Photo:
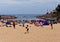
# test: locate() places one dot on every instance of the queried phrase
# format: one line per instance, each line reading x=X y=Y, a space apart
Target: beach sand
x=36 y=34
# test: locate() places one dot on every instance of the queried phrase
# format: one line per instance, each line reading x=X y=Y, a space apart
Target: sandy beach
x=36 y=34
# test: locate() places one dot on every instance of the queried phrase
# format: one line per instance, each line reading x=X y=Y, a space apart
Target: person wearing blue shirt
x=23 y=22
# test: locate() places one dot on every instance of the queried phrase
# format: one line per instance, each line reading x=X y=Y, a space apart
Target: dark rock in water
x=7 y=17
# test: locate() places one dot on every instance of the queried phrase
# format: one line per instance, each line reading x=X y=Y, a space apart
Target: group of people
x=14 y=25
x=27 y=26
x=51 y=22
x=9 y=23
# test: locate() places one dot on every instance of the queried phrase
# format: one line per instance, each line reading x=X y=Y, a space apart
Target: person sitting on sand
x=37 y=23
x=8 y=23
x=41 y=24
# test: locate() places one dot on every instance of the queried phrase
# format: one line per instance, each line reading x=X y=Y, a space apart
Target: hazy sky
x=27 y=6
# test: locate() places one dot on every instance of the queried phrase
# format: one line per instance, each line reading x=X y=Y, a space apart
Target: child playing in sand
x=27 y=29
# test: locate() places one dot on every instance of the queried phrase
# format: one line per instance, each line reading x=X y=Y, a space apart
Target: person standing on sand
x=14 y=24
x=51 y=22
x=23 y=22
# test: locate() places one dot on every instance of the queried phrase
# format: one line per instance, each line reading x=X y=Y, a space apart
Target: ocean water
x=26 y=16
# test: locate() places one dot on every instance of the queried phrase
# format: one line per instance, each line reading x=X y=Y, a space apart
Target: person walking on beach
x=23 y=22
x=27 y=29
x=14 y=24
x=51 y=22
